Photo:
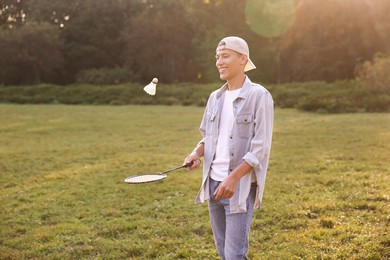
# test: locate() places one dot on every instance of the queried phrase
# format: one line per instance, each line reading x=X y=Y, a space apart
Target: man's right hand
x=193 y=157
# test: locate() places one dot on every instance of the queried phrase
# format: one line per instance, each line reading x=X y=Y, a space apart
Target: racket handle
x=188 y=164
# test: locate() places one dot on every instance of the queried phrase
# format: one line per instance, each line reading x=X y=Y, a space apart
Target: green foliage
x=328 y=39
x=105 y=76
x=338 y=97
x=176 y=40
x=130 y=93
x=63 y=196
x=158 y=42
x=375 y=74
x=30 y=54
x=320 y=97
x=12 y=14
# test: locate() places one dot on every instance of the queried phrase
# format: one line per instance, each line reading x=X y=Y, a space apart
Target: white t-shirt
x=220 y=165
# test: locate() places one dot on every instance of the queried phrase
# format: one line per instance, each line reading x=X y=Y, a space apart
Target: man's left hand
x=226 y=189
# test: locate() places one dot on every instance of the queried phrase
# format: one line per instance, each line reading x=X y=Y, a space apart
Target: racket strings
x=145 y=178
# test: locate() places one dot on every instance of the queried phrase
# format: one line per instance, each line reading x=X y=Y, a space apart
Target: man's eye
x=223 y=57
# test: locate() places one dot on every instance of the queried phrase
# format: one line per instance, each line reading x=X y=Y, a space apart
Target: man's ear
x=244 y=59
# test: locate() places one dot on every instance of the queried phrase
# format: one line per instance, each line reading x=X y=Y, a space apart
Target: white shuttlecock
x=151 y=87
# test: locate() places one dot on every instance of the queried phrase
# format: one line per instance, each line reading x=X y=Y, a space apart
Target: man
x=237 y=133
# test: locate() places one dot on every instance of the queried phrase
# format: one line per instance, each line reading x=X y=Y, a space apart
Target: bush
x=320 y=97
x=168 y=101
x=105 y=76
x=337 y=97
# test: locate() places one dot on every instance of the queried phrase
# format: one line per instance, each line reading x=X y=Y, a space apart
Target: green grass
x=62 y=193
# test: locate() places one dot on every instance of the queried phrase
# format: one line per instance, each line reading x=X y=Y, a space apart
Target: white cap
x=239 y=45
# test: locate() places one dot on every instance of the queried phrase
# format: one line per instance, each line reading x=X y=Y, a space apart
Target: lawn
x=62 y=193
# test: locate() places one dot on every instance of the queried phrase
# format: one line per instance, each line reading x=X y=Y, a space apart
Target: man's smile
x=222 y=69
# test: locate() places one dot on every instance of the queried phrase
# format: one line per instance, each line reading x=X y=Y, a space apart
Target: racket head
x=145 y=178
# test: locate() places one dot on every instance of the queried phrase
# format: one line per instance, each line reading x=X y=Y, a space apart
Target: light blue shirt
x=250 y=140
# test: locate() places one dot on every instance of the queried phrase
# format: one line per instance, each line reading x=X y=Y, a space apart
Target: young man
x=237 y=133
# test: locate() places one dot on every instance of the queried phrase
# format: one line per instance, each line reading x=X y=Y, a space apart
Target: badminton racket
x=151 y=177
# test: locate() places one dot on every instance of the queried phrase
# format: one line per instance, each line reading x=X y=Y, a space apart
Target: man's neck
x=236 y=82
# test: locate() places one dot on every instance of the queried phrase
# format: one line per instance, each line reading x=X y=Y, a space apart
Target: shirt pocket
x=244 y=125
x=210 y=121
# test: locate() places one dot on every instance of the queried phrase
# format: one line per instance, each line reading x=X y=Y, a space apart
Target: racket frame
x=163 y=174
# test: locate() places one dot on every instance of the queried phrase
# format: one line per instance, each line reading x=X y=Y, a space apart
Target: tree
x=176 y=40
x=93 y=36
x=158 y=42
x=328 y=39
x=12 y=14
x=30 y=54
x=376 y=73
x=56 y=12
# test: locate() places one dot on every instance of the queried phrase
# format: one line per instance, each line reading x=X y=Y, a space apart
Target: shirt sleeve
x=202 y=128
x=260 y=146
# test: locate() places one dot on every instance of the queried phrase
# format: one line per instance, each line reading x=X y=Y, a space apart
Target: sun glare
x=270 y=18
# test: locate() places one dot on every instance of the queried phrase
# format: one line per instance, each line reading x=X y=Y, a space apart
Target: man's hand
x=193 y=157
x=226 y=189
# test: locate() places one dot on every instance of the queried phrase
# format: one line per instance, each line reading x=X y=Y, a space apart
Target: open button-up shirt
x=249 y=141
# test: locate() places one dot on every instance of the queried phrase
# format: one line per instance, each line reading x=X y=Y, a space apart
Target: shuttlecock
x=151 y=87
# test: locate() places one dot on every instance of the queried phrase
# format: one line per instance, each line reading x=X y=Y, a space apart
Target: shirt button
x=231 y=137
x=232 y=154
x=230 y=170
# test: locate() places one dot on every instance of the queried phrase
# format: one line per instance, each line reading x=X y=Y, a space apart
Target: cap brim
x=249 y=66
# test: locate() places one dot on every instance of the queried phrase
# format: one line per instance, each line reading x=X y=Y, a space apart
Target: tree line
x=108 y=42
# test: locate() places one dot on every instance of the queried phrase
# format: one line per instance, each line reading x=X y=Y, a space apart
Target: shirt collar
x=244 y=90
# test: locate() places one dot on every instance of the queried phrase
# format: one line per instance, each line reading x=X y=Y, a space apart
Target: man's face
x=229 y=63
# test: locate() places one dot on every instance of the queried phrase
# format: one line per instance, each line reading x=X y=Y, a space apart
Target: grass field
x=62 y=193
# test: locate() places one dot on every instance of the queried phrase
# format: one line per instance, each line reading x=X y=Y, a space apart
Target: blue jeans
x=231 y=231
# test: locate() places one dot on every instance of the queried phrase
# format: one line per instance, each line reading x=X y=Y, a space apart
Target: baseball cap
x=239 y=45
